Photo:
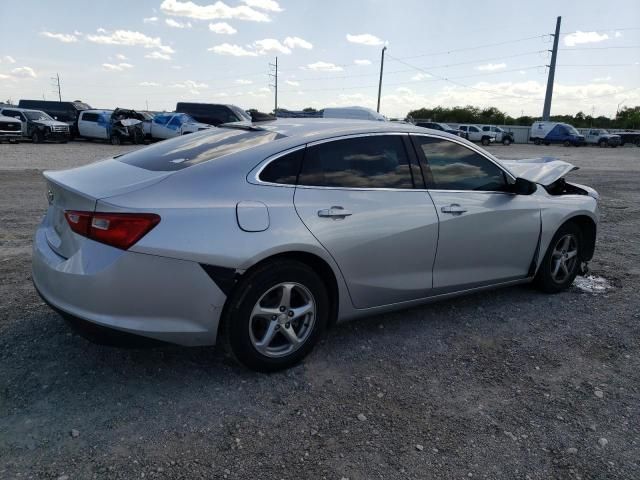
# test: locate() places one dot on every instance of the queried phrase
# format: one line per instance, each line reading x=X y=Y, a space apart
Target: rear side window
x=186 y=150
x=378 y=161
x=452 y=166
x=284 y=169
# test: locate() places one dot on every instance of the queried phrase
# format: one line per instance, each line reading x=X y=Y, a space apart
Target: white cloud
x=77 y=33
x=221 y=95
x=218 y=10
x=617 y=34
x=578 y=37
x=117 y=67
x=269 y=5
x=175 y=24
x=4 y=77
x=242 y=81
x=324 y=67
x=150 y=20
x=192 y=86
x=420 y=76
x=270 y=45
x=120 y=56
x=129 y=38
x=602 y=79
x=234 y=50
x=222 y=28
x=293 y=83
x=364 y=39
x=8 y=59
x=362 y=63
x=62 y=37
x=24 y=72
x=491 y=67
x=157 y=56
x=297 y=42
x=149 y=84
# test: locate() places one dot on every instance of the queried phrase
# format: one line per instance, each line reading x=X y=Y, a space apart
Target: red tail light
x=120 y=230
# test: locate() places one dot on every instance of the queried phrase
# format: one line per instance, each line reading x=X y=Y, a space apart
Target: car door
x=474 y=134
x=357 y=197
x=486 y=234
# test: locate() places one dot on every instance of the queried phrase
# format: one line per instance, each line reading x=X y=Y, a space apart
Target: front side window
x=473 y=129
x=378 y=161
x=175 y=122
x=464 y=129
x=452 y=166
x=37 y=116
x=161 y=119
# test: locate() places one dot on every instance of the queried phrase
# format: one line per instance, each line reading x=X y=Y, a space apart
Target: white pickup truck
x=475 y=134
x=602 y=138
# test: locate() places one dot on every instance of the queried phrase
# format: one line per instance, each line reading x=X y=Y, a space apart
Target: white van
x=555 y=132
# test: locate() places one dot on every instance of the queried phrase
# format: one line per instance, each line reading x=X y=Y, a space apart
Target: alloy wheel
x=564 y=258
x=282 y=319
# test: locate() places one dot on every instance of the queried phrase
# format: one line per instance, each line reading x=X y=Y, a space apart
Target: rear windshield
x=194 y=148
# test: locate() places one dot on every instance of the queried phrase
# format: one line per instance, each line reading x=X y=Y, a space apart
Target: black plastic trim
x=225 y=278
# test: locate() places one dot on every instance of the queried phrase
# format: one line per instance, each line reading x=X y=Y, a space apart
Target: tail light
x=120 y=230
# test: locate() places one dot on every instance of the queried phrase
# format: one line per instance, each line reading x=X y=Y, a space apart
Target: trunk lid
x=80 y=189
x=543 y=171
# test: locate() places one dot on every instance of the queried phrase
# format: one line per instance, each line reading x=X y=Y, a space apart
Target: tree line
x=627 y=117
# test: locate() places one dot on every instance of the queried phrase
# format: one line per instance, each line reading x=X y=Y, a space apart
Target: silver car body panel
x=396 y=249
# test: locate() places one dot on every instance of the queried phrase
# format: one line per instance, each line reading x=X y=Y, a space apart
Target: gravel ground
x=500 y=385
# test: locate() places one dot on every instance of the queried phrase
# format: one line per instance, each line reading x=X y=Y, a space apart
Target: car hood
x=50 y=123
x=544 y=171
x=9 y=119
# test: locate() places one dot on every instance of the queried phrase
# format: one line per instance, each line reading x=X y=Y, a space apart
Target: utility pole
x=546 y=112
x=56 y=80
x=275 y=85
x=380 y=83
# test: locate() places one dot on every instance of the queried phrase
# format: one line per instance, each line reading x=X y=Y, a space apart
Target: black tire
x=237 y=317
x=485 y=141
x=544 y=280
x=37 y=137
x=567 y=143
x=602 y=143
x=547 y=144
x=115 y=140
x=506 y=142
x=537 y=141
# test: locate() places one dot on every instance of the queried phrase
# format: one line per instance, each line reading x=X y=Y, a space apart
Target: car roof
x=19 y=109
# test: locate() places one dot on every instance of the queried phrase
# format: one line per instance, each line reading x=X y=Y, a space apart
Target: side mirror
x=523 y=187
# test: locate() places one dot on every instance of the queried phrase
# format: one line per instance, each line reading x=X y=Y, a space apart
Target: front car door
x=356 y=195
x=487 y=235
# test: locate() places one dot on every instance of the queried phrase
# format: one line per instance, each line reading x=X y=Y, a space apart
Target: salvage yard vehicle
x=169 y=125
x=10 y=129
x=213 y=113
x=629 y=136
x=443 y=127
x=116 y=126
x=351 y=113
x=555 y=132
x=502 y=136
x=602 y=138
x=37 y=125
x=473 y=133
x=276 y=230
x=67 y=112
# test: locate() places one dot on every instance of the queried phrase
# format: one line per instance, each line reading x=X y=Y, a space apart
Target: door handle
x=334 y=212
x=454 y=208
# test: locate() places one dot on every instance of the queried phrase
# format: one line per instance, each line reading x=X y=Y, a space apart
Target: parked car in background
x=280 y=230
x=10 y=129
x=502 y=136
x=629 y=136
x=67 y=112
x=352 y=113
x=213 y=113
x=169 y=125
x=555 y=132
x=474 y=133
x=602 y=138
x=115 y=126
x=443 y=127
x=38 y=126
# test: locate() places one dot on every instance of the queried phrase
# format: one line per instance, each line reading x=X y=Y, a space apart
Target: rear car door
x=356 y=195
x=487 y=235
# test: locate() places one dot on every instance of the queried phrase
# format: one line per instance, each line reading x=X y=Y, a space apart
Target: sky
x=150 y=54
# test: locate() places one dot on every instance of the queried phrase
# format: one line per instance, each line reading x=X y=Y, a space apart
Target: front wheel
x=561 y=263
x=277 y=315
x=115 y=140
x=506 y=142
x=37 y=137
x=602 y=143
x=485 y=141
x=567 y=143
x=537 y=141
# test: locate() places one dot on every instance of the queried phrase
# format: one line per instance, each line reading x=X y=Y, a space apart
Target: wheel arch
x=588 y=231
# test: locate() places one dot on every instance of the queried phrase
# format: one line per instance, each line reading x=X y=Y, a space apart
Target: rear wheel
x=567 y=143
x=485 y=141
x=115 y=140
x=561 y=263
x=277 y=315
x=602 y=143
x=537 y=141
x=506 y=142
x=37 y=137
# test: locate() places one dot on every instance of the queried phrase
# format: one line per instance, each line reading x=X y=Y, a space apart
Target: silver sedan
x=271 y=232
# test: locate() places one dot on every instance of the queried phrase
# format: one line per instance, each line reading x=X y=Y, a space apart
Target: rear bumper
x=160 y=298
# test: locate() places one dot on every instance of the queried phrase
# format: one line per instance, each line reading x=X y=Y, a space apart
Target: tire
x=36 y=137
x=567 y=143
x=263 y=289
x=537 y=141
x=602 y=143
x=485 y=141
x=115 y=140
x=506 y=142
x=547 y=144
x=545 y=279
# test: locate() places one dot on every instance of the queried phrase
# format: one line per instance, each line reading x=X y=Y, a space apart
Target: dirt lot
x=507 y=384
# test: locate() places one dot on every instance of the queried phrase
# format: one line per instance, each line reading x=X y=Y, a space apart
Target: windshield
x=572 y=130
x=446 y=127
x=36 y=116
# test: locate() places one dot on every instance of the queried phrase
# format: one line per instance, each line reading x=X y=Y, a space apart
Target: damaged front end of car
x=126 y=126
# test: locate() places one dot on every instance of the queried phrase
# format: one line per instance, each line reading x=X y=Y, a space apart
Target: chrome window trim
x=255 y=178
x=470 y=147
